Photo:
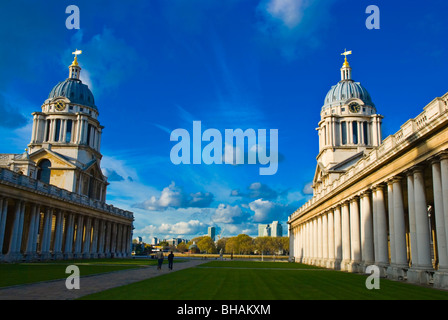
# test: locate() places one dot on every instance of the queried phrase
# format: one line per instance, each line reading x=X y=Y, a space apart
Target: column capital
x=366 y=191
x=443 y=155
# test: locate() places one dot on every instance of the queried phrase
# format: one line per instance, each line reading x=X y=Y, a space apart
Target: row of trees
x=242 y=244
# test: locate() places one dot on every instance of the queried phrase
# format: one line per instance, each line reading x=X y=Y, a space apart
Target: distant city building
x=270 y=230
x=264 y=230
x=155 y=241
x=212 y=232
x=276 y=229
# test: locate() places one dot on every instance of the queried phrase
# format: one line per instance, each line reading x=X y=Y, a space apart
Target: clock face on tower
x=59 y=106
x=354 y=107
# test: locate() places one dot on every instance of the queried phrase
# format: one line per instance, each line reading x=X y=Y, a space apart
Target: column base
x=45 y=256
x=13 y=257
x=337 y=264
x=68 y=256
x=420 y=275
x=58 y=256
x=441 y=279
x=31 y=257
x=397 y=272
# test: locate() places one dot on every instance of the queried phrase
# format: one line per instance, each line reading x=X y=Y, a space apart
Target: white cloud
x=227 y=214
x=106 y=60
x=289 y=12
x=266 y=210
x=178 y=229
x=290 y=25
x=175 y=197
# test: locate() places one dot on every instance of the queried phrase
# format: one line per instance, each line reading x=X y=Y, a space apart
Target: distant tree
x=221 y=244
x=182 y=247
x=232 y=245
x=206 y=244
x=263 y=245
x=163 y=244
x=245 y=244
x=285 y=244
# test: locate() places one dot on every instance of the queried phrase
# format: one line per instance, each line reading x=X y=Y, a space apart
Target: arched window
x=44 y=171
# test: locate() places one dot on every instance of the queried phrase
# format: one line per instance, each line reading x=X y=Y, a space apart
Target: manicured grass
x=22 y=273
x=238 y=280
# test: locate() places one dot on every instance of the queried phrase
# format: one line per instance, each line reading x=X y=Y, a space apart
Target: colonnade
x=399 y=224
x=34 y=231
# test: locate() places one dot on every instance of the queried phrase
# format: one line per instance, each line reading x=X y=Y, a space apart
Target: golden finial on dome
x=346 y=53
x=75 y=62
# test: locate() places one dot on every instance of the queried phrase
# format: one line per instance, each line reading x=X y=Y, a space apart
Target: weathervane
x=346 y=53
x=76 y=53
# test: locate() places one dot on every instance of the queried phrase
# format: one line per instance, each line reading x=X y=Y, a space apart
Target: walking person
x=159 y=260
x=170 y=260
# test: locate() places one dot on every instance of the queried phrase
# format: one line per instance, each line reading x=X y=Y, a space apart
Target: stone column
x=337 y=238
x=31 y=245
x=345 y=220
x=412 y=222
x=390 y=209
x=305 y=242
x=57 y=251
x=422 y=223
x=16 y=234
x=418 y=272
x=102 y=235
x=366 y=230
x=79 y=234
x=382 y=259
x=319 y=240
x=444 y=180
x=69 y=233
x=441 y=276
x=331 y=230
x=108 y=239
x=94 y=247
x=87 y=237
x=399 y=225
x=355 y=241
x=46 y=235
x=3 y=216
x=324 y=239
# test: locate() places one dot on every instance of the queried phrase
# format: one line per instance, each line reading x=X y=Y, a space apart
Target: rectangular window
x=365 y=129
x=47 y=137
x=344 y=132
x=89 y=128
x=68 y=136
x=355 y=132
x=58 y=130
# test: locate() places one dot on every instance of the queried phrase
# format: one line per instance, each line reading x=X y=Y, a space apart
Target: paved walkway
x=56 y=289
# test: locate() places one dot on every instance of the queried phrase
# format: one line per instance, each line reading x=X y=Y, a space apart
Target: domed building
x=53 y=196
x=377 y=203
x=66 y=138
x=349 y=127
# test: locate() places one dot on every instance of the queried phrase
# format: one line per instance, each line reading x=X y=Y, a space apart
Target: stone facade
x=52 y=197
x=388 y=208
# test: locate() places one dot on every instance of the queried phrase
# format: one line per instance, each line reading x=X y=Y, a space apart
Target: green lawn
x=22 y=273
x=238 y=280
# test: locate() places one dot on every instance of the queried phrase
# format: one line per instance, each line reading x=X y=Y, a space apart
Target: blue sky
x=158 y=65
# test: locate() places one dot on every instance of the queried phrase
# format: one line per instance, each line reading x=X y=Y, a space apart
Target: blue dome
x=345 y=90
x=75 y=91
